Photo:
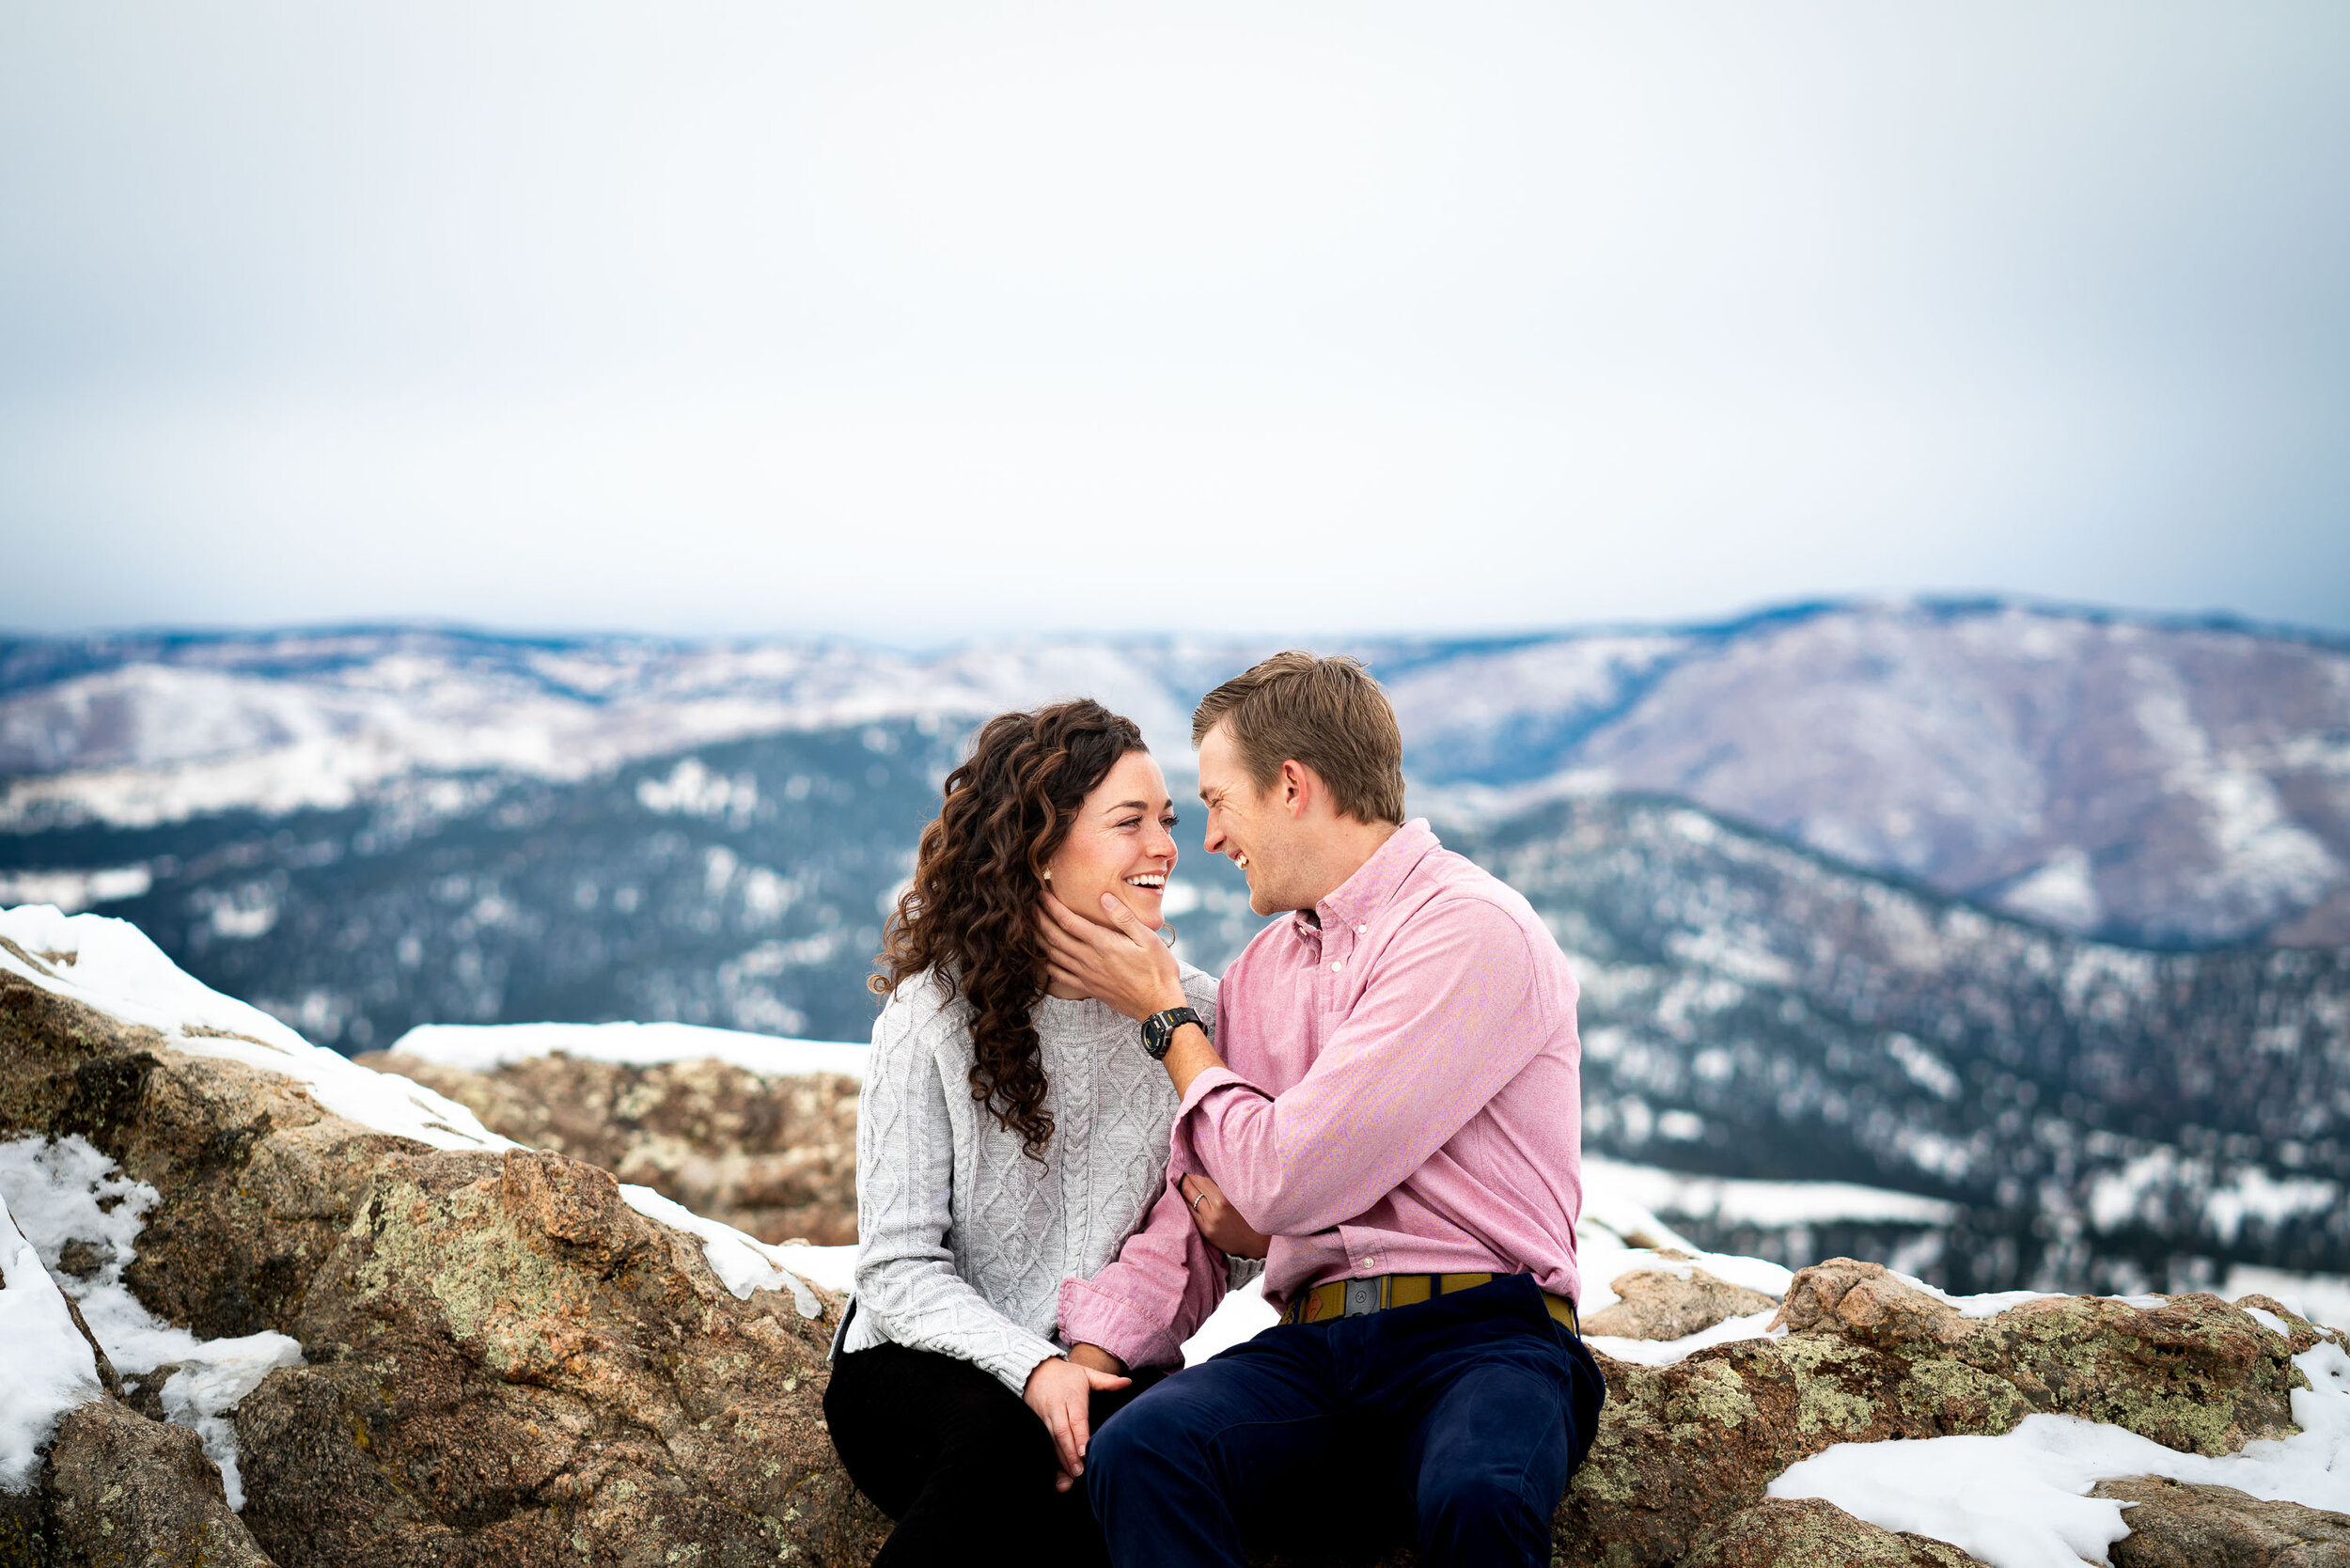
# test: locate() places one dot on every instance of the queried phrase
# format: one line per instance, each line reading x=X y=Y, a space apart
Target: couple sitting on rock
x=1380 y=1102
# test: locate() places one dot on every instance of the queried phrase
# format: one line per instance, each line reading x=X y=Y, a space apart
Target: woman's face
x=1122 y=844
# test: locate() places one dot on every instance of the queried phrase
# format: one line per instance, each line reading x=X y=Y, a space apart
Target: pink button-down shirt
x=1403 y=1090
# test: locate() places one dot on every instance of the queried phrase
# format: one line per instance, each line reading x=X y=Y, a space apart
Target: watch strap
x=1158 y=1030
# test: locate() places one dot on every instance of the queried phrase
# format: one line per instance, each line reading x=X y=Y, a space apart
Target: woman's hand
x=1220 y=1221
x=1062 y=1394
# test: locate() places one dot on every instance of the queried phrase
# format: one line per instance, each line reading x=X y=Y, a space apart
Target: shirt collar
x=1355 y=901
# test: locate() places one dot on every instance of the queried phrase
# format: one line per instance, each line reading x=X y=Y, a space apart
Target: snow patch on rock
x=1731 y=1200
x=2062 y=892
x=2322 y=1298
x=111 y=965
x=743 y=1263
x=74 y=891
x=2019 y=1500
x=67 y=1192
x=48 y=1368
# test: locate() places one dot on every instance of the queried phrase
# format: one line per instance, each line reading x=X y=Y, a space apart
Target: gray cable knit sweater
x=962 y=1241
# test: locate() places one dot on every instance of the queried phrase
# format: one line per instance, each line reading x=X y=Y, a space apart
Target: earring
x=1048 y=873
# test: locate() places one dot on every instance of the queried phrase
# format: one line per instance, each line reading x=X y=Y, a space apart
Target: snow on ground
x=68 y=1191
x=1731 y=1201
x=486 y=1048
x=1996 y=1302
x=111 y=965
x=1243 y=1315
x=2319 y=1297
x=1664 y=1352
x=73 y=891
x=1605 y=1249
x=743 y=1263
x=49 y=1368
x=2018 y=1500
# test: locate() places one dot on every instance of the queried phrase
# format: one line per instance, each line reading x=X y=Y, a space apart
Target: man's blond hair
x=1327 y=713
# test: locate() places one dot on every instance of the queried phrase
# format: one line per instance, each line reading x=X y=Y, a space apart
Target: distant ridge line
x=1413 y=647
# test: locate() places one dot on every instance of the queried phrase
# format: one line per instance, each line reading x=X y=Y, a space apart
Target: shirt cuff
x=1012 y=1364
x=1207 y=1083
x=1091 y=1315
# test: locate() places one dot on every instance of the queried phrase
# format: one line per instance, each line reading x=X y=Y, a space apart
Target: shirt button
x=1337 y=963
x=1370 y=1262
x=1364 y=928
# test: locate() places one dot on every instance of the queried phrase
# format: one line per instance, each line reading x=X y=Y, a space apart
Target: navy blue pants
x=1455 y=1422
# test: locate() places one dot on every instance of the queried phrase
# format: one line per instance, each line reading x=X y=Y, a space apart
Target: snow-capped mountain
x=2077 y=1113
x=1852 y=967
x=2175 y=784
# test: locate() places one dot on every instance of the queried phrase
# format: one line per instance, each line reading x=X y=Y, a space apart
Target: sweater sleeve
x=905 y=1274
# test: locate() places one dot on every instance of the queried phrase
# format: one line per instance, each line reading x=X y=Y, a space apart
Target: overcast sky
x=913 y=322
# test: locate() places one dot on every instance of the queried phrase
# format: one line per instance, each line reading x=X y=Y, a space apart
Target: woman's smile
x=1122 y=844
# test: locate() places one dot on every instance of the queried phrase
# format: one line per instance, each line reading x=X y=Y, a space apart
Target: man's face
x=1247 y=826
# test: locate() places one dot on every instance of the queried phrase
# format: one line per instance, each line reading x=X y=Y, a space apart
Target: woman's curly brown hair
x=970 y=914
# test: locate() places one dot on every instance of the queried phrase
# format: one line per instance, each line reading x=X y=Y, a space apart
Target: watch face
x=1158 y=1030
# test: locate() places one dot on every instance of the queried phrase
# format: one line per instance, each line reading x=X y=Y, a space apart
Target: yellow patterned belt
x=1355 y=1298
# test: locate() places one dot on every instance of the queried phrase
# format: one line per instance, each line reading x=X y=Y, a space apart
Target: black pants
x=962 y=1465
x=1463 y=1415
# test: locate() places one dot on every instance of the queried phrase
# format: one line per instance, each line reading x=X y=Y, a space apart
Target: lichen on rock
x=122 y=1489
x=1808 y=1534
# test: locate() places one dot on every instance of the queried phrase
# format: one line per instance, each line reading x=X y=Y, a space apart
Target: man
x=1394 y=1098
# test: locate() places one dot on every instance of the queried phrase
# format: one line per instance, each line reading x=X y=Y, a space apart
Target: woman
x=1023 y=1269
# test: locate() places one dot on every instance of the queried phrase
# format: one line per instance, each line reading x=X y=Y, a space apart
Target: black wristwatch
x=1158 y=1030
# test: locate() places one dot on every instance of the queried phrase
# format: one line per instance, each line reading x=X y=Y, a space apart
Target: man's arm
x=1142 y=1304
x=1448 y=1018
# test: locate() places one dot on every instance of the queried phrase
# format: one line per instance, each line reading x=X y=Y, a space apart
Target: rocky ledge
x=775 y=1156
x=503 y=1362
x=1680 y=1468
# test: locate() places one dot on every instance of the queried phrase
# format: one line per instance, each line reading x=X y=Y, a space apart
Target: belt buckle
x=1362 y=1298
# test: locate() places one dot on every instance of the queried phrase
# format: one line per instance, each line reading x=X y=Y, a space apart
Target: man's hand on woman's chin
x=1060 y=1391
x=1123 y=964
